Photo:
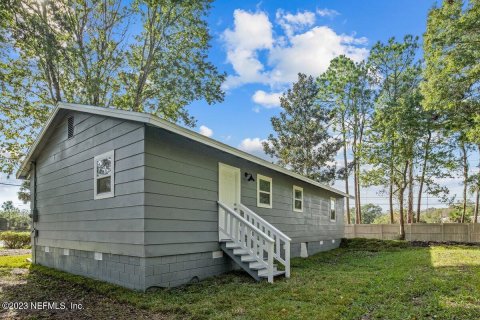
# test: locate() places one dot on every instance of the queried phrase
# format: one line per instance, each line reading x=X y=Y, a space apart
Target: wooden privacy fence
x=444 y=232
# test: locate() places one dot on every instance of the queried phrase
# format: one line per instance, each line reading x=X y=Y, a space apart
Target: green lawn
x=14 y=261
x=365 y=280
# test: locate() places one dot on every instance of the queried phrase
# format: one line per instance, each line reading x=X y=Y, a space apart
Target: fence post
x=381 y=231
x=443 y=233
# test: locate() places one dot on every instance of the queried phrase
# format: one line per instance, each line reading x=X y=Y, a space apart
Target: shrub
x=15 y=240
x=362 y=244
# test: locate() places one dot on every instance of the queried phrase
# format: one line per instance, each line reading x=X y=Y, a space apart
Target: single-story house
x=135 y=200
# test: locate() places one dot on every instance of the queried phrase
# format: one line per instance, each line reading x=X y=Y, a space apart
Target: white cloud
x=206 y=131
x=294 y=22
x=311 y=52
x=251 y=32
x=251 y=145
x=268 y=100
x=304 y=47
x=327 y=12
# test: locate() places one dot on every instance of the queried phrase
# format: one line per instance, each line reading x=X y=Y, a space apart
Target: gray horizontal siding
x=182 y=186
x=69 y=217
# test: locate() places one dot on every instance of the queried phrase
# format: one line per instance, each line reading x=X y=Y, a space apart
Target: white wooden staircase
x=253 y=243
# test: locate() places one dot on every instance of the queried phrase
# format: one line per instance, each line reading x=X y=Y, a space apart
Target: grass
x=361 y=280
x=14 y=261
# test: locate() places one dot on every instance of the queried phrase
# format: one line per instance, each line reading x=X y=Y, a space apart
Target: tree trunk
x=345 y=161
x=390 y=202
x=465 y=179
x=422 y=177
x=355 y=184
x=410 y=194
x=357 y=174
x=390 y=191
x=402 y=221
x=477 y=198
x=401 y=190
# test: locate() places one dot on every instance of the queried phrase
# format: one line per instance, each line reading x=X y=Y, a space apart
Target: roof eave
x=157 y=122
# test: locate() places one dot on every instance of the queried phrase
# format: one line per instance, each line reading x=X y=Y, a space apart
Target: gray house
x=135 y=200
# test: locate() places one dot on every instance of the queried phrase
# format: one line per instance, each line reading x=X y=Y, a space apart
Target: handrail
x=280 y=233
x=251 y=225
x=273 y=232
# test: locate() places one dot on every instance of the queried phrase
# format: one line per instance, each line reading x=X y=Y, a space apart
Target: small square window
x=104 y=175
x=264 y=191
x=297 y=199
x=333 y=214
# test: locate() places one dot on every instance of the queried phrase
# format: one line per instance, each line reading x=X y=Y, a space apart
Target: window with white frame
x=104 y=179
x=333 y=213
x=297 y=199
x=264 y=191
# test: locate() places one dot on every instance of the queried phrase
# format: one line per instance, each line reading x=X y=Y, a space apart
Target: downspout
x=34 y=212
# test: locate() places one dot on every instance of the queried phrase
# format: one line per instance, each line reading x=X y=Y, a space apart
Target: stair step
x=231 y=245
x=263 y=273
x=257 y=265
x=248 y=258
x=240 y=252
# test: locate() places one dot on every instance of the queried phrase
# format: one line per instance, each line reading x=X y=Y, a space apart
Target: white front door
x=228 y=190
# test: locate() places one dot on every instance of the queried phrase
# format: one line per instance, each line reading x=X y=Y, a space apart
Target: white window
x=264 y=191
x=333 y=214
x=104 y=179
x=297 y=199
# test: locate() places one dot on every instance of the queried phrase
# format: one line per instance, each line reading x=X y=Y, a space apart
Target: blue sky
x=344 y=23
x=262 y=45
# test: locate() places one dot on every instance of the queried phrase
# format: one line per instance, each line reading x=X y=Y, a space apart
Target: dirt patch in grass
x=36 y=287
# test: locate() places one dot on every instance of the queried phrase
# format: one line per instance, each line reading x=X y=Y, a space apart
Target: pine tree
x=303 y=142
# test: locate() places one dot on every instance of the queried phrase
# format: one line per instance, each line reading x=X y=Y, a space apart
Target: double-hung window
x=264 y=191
x=104 y=179
x=333 y=214
x=297 y=199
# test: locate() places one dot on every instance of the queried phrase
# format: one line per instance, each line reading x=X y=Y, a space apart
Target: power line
x=10 y=184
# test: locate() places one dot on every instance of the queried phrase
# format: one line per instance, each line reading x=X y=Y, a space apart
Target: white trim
x=264 y=178
x=155 y=121
x=334 y=209
x=297 y=188
x=111 y=193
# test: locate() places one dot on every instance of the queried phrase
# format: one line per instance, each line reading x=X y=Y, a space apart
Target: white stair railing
x=281 y=239
x=249 y=237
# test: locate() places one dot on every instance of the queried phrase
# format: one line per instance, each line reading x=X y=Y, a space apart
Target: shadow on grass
x=361 y=280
